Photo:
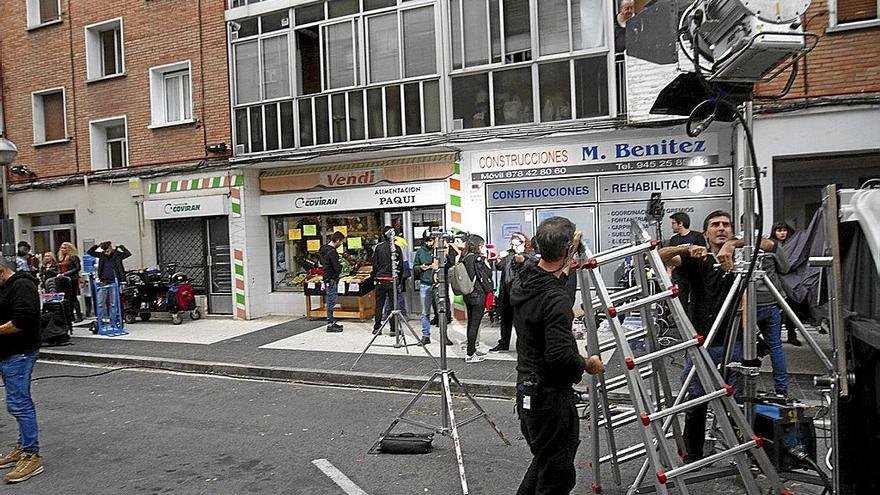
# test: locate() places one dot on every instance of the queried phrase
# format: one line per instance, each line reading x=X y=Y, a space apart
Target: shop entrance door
x=411 y=225
x=50 y=231
x=219 y=266
x=199 y=247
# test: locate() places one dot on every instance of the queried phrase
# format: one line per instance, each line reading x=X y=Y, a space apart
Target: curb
x=484 y=388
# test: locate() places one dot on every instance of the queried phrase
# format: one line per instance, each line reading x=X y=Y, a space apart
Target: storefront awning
x=361 y=173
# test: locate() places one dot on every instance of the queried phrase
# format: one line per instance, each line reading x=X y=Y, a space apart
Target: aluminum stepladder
x=654 y=413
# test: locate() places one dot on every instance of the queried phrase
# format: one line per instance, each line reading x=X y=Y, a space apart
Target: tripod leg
x=405 y=410
x=375 y=336
x=478 y=407
x=453 y=428
x=418 y=340
x=799 y=325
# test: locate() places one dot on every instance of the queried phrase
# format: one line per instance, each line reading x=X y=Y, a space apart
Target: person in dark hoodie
x=329 y=256
x=548 y=361
x=110 y=258
x=19 y=346
x=384 y=271
x=511 y=262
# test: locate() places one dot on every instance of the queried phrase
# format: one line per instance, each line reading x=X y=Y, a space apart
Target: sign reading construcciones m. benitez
x=199 y=206
x=360 y=198
x=624 y=155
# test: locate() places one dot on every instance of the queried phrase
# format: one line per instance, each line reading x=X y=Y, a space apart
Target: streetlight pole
x=8 y=152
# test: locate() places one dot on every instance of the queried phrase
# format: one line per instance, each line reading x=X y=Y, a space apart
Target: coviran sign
x=356 y=198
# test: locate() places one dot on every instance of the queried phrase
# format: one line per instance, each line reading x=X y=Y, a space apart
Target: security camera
x=234 y=26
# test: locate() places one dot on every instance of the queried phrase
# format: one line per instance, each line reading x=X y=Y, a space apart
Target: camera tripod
x=445 y=377
x=395 y=320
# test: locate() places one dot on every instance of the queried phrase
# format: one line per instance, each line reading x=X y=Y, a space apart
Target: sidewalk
x=300 y=350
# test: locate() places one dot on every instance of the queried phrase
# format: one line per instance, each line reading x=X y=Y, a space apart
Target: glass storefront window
x=297 y=239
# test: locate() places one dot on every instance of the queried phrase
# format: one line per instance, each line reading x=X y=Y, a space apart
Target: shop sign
x=362 y=198
x=541 y=192
x=200 y=206
x=695 y=184
x=350 y=178
x=615 y=218
x=631 y=155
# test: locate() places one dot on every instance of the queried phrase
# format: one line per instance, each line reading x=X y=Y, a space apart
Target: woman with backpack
x=474 y=261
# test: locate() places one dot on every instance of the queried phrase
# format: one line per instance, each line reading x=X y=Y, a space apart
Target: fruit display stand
x=358 y=301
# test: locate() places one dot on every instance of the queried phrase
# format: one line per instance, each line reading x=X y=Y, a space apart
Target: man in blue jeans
x=19 y=346
x=329 y=255
x=424 y=266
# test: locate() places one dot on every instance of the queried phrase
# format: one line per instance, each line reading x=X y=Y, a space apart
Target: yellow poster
x=355 y=243
x=294 y=234
x=341 y=228
x=310 y=230
x=313 y=245
x=340 y=249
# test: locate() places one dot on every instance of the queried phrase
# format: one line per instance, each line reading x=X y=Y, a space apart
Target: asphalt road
x=137 y=432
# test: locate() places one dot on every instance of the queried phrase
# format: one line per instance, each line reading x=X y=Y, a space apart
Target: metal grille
x=182 y=241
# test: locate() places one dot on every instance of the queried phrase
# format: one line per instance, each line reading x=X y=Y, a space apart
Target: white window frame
x=833 y=25
x=39 y=116
x=98 y=141
x=33 y=15
x=94 y=49
x=158 y=100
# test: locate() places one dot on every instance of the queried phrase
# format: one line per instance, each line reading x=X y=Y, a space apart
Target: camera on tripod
x=447 y=235
x=655 y=208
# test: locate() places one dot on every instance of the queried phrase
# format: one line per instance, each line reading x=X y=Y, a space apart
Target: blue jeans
x=16 y=371
x=770 y=324
x=426 y=294
x=717 y=354
x=331 y=297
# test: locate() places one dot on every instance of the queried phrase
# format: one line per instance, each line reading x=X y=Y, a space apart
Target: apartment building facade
x=827 y=129
x=480 y=115
x=120 y=112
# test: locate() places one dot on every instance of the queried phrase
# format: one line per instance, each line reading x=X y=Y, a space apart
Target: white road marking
x=338 y=477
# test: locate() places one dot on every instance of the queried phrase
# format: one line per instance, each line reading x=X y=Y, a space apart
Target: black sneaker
x=334 y=328
x=499 y=348
x=426 y=340
x=448 y=342
x=795 y=342
x=434 y=322
x=377 y=331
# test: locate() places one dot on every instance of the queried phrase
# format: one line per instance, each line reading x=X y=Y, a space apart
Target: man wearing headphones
x=548 y=361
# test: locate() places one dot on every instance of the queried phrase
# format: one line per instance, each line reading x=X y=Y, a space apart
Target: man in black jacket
x=511 y=263
x=548 y=361
x=19 y=346
x=382 y=272
x=329 y=254
x=110 y=258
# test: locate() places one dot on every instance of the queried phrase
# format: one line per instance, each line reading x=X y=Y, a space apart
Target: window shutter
x=53 y=115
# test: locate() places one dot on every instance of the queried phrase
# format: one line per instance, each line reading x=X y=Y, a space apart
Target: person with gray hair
x=19 y=346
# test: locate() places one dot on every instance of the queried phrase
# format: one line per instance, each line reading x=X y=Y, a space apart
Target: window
x=854 y=13
x=362 y=69
x=478 y=37
x=50 y=116
x=104 y=50
x=40 y=12
x=171 y=94
x=109 y=143
x=513 y=96
x=339 y=55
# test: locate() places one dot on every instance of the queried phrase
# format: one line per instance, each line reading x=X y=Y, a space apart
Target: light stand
x=395 y=319
x=445 y=377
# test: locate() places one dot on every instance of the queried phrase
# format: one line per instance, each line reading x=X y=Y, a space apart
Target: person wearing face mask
x=548 y=360
x=511 y=262
x=19 y=347
x=474 y=260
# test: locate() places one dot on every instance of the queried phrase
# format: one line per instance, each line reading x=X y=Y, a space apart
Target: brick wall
x=844 y=62
x=156 y=32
